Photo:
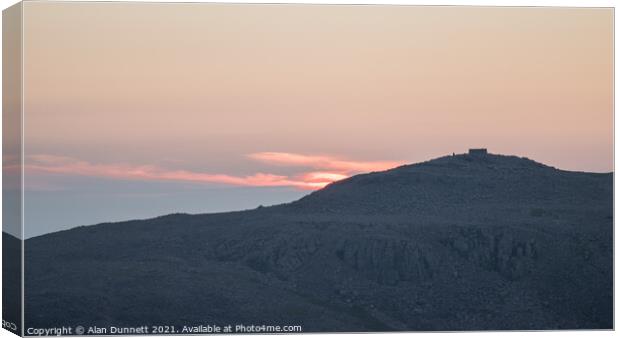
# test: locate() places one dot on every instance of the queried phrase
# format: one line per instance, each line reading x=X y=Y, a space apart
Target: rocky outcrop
x=511 y=254
x=387 y=261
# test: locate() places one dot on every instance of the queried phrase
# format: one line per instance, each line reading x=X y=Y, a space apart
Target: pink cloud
x=331 y=170
x=71 y=166
x=323 y=162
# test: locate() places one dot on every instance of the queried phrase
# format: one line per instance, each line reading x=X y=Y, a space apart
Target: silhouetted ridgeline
x=466 y=242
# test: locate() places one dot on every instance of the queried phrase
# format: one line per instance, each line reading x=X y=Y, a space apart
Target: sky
x=134 y=110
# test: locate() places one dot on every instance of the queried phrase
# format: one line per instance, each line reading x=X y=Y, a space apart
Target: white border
x=512 y=3
x=503 y=3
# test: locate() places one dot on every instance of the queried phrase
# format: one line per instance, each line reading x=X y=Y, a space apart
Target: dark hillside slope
x=457 y=243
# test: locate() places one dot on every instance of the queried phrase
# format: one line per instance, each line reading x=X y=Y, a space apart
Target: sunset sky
x=135 y=110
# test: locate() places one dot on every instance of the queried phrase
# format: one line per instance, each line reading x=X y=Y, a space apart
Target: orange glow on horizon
x=322 y=162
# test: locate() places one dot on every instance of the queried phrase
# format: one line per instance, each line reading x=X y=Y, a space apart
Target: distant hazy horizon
x=159 y=200
x=135 y=110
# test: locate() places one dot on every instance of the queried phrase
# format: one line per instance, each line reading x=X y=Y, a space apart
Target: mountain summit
x=457 y=182
x=465 y=242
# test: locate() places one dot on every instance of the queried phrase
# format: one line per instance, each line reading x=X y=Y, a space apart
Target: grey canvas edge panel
x=12 y=170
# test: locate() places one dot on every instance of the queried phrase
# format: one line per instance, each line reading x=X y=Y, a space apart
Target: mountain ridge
x=532 y=164
x=457 y=243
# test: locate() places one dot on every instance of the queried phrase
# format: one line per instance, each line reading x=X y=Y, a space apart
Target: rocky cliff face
x=457 y=243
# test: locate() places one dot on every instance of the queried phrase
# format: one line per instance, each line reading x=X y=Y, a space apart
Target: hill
x=456 y=243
